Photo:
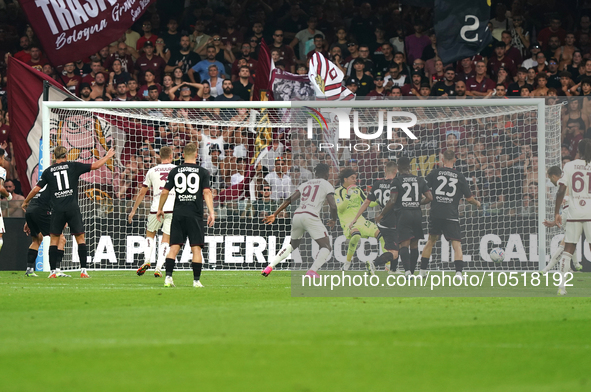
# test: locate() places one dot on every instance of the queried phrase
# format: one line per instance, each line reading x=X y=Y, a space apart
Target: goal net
x=259 y=152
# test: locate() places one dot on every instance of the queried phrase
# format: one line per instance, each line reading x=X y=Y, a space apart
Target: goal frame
x=538 y=103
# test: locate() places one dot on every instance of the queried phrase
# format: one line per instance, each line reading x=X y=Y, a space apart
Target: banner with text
x=72 y=30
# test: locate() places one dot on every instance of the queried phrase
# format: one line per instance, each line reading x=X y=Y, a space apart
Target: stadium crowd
x=207 y=51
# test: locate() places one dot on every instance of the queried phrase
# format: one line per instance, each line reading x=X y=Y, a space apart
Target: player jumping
x=306 y=218
x=349 y=198
x=191 y=186
x=576 y=180
x=155 y=179
x=554 y=174
x=407 y=194
x=380 y=193
x=61 y=179
x=449 y=185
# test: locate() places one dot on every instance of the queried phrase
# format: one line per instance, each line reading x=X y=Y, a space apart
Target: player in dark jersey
x=407 y=195
x=191 y=185
x=380 y=193
x=37 y=222
x=61 y=180
x=448 y=186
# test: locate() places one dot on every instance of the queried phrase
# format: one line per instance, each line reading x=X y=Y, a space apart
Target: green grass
x=120 y=332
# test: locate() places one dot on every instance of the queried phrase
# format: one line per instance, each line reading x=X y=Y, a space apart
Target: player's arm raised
x=208 y=196
x=334 y=214
x=138 y=199
x=559 y=198
x=97 y=164
x=271 y=218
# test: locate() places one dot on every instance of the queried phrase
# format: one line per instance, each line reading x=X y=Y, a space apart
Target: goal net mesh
x=265 y=153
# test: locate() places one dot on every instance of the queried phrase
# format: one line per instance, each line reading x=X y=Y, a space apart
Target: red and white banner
x=327 y=80
x=25 y=94
x=71 y=30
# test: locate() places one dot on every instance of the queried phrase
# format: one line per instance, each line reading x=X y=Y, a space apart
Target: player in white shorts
x=576 y=180
x=155 y=179
x=3 y=193
x=306 y=218
x=554 y=174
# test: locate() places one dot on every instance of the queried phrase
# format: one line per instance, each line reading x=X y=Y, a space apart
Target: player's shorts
x=154 y=224
x=573 y=231
x=366 y=228
x=39 y=221
x=59 y=219
x=187 y=226
x=389 y=236
x=2 y=231
x=409 y=225
x=304 y=222
x=449 y=228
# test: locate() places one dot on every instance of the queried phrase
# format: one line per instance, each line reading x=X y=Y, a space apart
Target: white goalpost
x=504 y=147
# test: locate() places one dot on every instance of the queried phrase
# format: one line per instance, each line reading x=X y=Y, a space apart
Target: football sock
x=282 y=255
x=53 y=257
x=405 y=257
x=60 y=257
x=554 y=259
x=459 y=265
x=383 y=259
x=382 y=243
x=163 y=252
x=414 y=259
x=353 y=242
x=320 y=259
x=31 y=257
x=82 y=254
x=564 y=267
x=394 y=264
x=196 y=270
x=575 y=259
x=169 y=266
x=149 y=250
x=424 y=263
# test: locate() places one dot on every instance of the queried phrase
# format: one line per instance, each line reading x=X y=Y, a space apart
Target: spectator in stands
x=149 y=61
x=413 y=88
x=209 y=136
x=213 y=167
x=318 y=47
x=224 y=53
x=525 y=91
x=365 y=82
x=336 y=57
x=503 y=77
x=364 y=55
x=446 y=87
x=202 y=67
x=553 y=45
x=341 y=42
x=394 y=77
x=564 y=54
x=531 y=76
x=541 y=85
x=513 y=89
x=232 y=33
x=71 y=79
x=439 y=73
x=264 y=205
x=305 y=38
x=182 y=57
x=24 y=54
x=386 y=59
x=416 y=43
x=520 y=37
x=576 y=66
x=419 y=65
x=37 y=61
x=286 y=52
x=353 y=48
x=117 y=75
x=460 y=90
x=85 y=91
x=533 y=60
x=147 y=37
x=379 y=92
x=552 y=74
x=172 y=37
x=228 y=95
x=132 y=90
x=150 y=80
x=480 y=85
x=120 y=93
x=424 y=91
x=215 y=82
x=10 y=187
x=184 y=91
x=199 y=39
x=352 y=84
x=243 y=87
x=500 y=60
x=466 y=69
x=99 y=89
x=375 y=45
x=279 y=180
x=363 y=25
x=553 y=30
x=510 y=51
x=566 y=83
x=500 y=22
x=500 y=91
x=204 y=94
x=122 y=53
x=153 y=95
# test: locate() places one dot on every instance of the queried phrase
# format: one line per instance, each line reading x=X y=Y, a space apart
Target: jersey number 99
x=186 y=183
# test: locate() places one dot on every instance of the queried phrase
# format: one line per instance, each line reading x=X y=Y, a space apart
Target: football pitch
x=243 y=332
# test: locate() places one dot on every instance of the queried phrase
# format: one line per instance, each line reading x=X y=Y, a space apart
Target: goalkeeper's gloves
x=351 y=190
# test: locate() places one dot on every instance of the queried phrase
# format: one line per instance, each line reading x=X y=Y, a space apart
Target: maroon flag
x=25 y=94
x=71 y=30
x=261 y=80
